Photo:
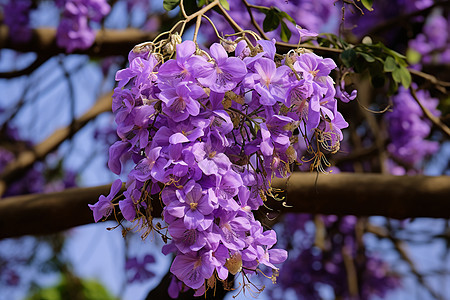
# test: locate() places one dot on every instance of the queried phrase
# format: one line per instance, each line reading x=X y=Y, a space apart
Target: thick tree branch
x=341 y=194
x=108 y=42
x=27 y=158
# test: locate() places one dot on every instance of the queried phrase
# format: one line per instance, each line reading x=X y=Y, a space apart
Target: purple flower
x=313 y=66
x=150 y=167
x=232 y=230
x=179 y=68
x=269 y=257
x=193 y=268
x=181 y=100
x=193 y=206
x=271 y=81
x=224 y=74
x=104 y=206
x=305 y=33
x=211 y=160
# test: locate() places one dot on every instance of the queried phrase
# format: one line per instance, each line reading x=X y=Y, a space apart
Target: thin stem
x=183 y=12
x=249 y=9
x=313 y=47
x=230 y=20
x=214 y=27
x=197 y=27
x=435 y=120
x=202 y=11
x=430 y=78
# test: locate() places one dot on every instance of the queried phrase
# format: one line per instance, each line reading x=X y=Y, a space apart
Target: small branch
x=430 y=78
x=230 y=20
x=435 y=120
x=39 y=61
x=249 y=10
x=183 y=12
x=285 y=47
x=27 y=158
x=108 y=42
x=352 y=278
x=202 y=11
x=197 y=28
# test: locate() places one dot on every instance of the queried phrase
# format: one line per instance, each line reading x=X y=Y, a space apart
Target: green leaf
x=367 y=57
x=348 y=57
x=288 y=17
x=225 y=4
x=170 y=4
x=403 y=75
x=285 y=32
x=389 y=64
x=367 y=4
x=271 y=21
x=200 y=3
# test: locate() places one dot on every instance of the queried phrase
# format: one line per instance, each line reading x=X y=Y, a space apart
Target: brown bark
x=108 y=42
x=341 y=194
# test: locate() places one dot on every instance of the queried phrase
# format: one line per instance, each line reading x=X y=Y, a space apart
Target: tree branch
x=39 y=61
x=340 y=194
x=108 y=42
x=27 y=158
x=435 y=120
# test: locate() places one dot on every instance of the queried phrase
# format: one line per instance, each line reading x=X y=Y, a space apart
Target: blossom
x=181 y=100
x=224 y=74
x=305 y=33
x=104 y=206
x=193 y=268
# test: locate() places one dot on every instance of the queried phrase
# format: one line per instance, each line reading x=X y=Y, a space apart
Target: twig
x=286 y=47
x=252 y=18
x=197 y=27
x=230 y=20
x=435 y=120
x=39 y=61
x=183 y=12
x=430 y=78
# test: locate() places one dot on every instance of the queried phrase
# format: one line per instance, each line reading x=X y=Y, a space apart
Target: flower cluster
x=433 y=43
x=408 y=130
x=74 y=31
x=209 y=131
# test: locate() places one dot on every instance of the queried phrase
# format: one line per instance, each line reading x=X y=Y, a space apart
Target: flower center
x=193 y=205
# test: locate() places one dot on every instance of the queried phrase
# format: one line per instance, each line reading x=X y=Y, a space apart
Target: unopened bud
x=228 y=45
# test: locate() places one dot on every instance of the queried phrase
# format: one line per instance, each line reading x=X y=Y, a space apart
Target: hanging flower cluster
x=74 y=30
x=208 y=132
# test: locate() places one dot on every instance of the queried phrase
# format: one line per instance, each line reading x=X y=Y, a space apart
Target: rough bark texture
x=341 y=194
